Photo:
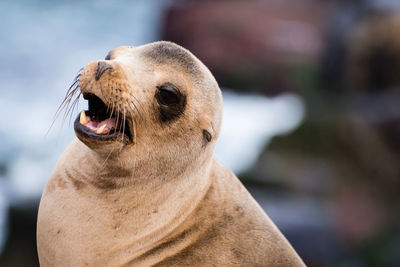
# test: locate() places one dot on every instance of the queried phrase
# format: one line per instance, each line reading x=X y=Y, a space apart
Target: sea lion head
x=155 y=102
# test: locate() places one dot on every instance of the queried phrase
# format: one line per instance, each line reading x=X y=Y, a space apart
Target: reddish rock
x=373 y=46
x=250 y=44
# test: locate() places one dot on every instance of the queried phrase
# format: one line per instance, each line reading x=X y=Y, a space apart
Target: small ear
x=208 y=130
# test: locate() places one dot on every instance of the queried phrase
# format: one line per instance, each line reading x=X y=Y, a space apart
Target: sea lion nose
x=102 y=67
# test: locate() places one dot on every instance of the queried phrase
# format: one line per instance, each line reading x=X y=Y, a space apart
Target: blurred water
x=249 y=123
x=44 y=44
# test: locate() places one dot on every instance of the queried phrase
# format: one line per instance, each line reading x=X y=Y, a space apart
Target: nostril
x=101 y=68
x=107 y=57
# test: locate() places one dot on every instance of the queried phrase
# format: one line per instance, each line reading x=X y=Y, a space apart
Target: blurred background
x=311 y=109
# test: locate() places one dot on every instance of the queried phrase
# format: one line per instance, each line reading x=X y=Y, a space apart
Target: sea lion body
x=156 y=196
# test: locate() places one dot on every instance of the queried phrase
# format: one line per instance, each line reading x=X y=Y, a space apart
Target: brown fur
x=162 y=200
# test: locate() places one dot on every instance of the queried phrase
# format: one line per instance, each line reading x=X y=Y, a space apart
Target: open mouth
x=101 y=122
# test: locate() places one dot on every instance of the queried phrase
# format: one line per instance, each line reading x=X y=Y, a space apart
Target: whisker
x=134 y=107
x=70 y=107
x=134 y=126
x=111 y=100
x=112 y=106
x=67 y=99
x=111 y=113
x=74 y=107
x=117 y=121
x=124 y=121
x=137 y=109
x=120 y=131
x=108 y=156
x=62 y=106
x=73 y=85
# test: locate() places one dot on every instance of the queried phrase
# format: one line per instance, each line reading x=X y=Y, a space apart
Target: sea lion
x=140 y=186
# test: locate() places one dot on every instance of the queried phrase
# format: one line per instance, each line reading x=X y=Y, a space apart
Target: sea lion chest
x=225 y=226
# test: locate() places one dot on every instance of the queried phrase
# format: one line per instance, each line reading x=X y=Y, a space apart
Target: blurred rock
x=20 y=249
x=304 y=222
x=4 y=205
x=374 y=52
x=339 y=157
x=266 y=46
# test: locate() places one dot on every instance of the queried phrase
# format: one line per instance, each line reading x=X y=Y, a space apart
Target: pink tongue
x=95 y=125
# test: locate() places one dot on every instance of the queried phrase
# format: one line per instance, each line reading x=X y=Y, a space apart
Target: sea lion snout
x=110 y=114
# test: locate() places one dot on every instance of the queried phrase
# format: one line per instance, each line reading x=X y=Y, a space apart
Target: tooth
x=83 y=120
x=101 y=129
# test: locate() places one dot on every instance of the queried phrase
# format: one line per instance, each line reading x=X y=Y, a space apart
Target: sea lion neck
x=81 y=172
x=83 y=166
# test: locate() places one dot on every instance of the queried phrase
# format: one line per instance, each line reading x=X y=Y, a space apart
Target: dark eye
x=107 y=57
x=167 y=95
x=171 y=102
